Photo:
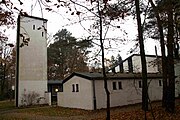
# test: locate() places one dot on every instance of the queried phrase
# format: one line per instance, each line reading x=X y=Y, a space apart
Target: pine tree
x=67 y=55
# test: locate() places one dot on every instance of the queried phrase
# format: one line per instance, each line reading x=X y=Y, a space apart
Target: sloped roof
x=55 y=81
x=86 y=75
x=111 y=76
x=38 y=18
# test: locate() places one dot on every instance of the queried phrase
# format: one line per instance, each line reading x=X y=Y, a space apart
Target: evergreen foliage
x=67 y=55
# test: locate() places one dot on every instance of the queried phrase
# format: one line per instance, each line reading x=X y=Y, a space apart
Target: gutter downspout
x=17 y=61
x=94 y=96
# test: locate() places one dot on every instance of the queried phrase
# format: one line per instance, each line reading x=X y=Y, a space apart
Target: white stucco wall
x=125 y=65
x=100 y=94
x=82 y=99
x=33 y=58
x=149 y=60
x=155 y=91
x=48 y=98
x=28 y=87
x=136 y=61
x=129 y=94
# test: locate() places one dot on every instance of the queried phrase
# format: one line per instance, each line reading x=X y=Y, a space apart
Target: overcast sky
x=60 y=19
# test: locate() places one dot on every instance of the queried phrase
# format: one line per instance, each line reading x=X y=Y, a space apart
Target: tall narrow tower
x=31 y=64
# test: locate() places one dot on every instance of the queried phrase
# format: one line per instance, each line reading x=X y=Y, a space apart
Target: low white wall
x=82 y=99
x=61 y=99
x=36 y=89
x=48 y=98
x=129 y=94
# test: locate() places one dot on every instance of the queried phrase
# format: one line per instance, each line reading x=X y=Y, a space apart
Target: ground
x=131 y=112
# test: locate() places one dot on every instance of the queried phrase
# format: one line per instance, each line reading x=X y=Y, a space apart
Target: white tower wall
x=32 y=66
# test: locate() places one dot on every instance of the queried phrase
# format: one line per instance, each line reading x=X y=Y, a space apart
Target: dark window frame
x=140 y=84
x=34 y=27
x=119 y=85
x=160 y=82
x=114 y=86
x=42 y=34
x=73 y=88
x=77 y=87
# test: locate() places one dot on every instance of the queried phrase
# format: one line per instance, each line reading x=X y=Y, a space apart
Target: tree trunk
x=163 y=59
x=171 y=76
x=103 y=67
x=143 y=59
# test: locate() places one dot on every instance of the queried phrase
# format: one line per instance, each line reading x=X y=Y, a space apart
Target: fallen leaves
x=131 y=112
x=158 y=114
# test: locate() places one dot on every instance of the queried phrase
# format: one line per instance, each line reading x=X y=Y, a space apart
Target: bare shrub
x=30 y=98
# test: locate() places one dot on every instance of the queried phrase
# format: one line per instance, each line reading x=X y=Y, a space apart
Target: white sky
x=59 y=19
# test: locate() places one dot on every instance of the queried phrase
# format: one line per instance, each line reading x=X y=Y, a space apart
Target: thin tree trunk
x=143 y=59
x=103 y=67
x=163 y=59
x=17 y=63
x=3 y=80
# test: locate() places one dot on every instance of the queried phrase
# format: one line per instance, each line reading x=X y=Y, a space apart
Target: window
x=77 y=88
x=34 y=27
x=42 y=34
x=73 y=88
x=119 y=85
x=140 y=84
x=114 y=86
x=160 y=83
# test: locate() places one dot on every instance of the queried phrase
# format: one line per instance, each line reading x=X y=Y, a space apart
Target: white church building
x=86 y=90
